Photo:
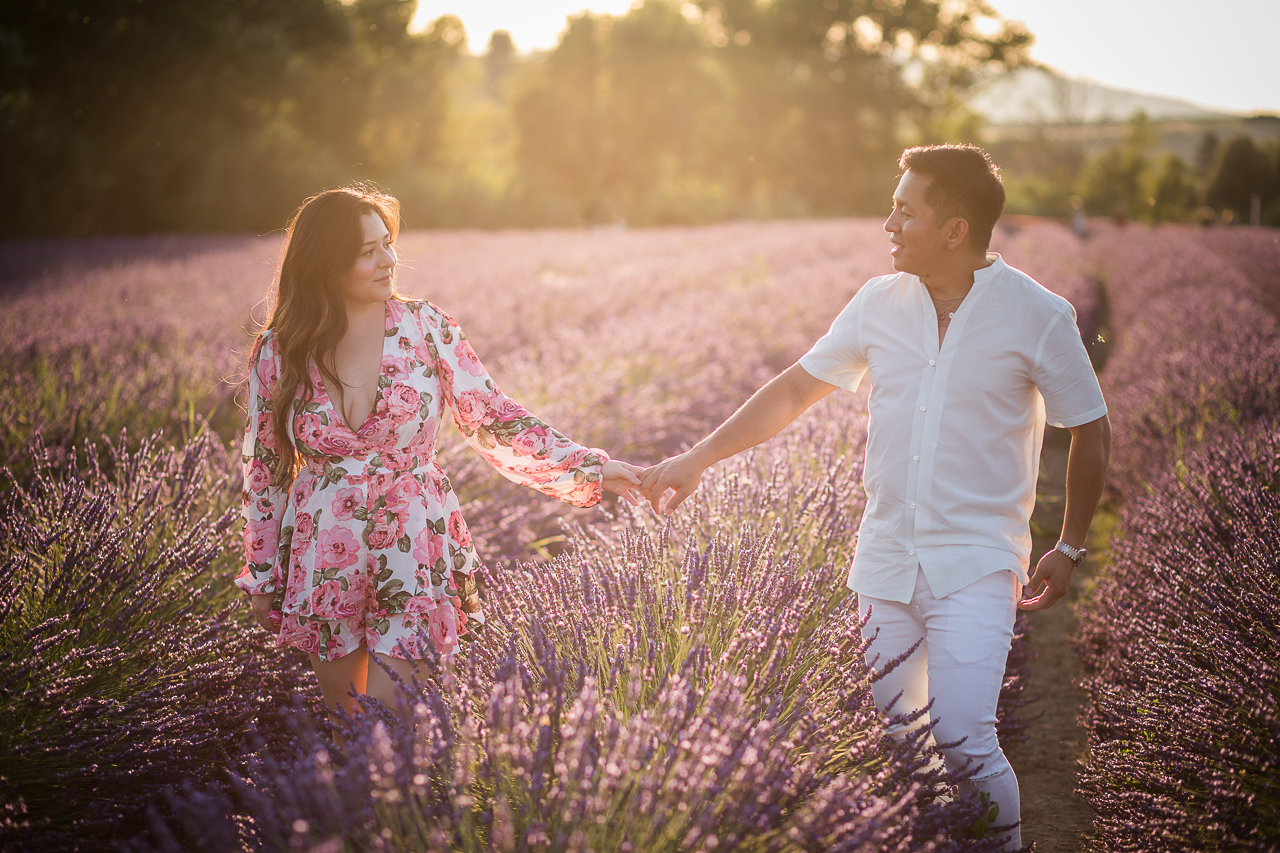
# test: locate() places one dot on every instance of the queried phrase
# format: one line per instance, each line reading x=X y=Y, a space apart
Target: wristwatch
x=1076 y=554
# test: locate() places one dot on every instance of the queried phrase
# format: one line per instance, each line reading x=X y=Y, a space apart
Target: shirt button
x=912 y=553
x=922 y=408
x=932 y=362
x=917 y=458
x=913 y=506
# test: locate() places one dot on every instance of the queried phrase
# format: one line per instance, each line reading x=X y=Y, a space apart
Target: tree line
x=138 y=116
x=1229 y=181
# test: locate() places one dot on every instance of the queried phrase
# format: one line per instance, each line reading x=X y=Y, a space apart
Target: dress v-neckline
x=377 y=393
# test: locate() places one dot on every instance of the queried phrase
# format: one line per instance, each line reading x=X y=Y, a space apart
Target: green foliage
x=677 y=114
x=130 y=117
x=1173 y=189
x=1243 y=171
x=1114 y=182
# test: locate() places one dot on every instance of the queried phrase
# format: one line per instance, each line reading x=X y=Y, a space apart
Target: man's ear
x=957 y=230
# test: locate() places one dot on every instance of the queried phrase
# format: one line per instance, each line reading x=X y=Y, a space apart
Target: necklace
x=946 y=309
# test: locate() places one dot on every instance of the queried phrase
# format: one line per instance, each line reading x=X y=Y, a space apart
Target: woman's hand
x=622 y=478
x=261 y=606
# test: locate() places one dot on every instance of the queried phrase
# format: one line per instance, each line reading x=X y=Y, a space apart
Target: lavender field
x=693 y=685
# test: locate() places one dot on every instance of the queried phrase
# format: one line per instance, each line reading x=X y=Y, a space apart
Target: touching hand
x=622 y=478
x=1053 y=573
x=266 y=617
x=678 y=475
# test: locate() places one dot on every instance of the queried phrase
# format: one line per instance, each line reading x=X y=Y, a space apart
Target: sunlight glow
x=533 y=26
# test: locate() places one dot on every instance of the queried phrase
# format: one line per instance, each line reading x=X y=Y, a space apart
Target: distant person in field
x=354 y=543
x=967 y=359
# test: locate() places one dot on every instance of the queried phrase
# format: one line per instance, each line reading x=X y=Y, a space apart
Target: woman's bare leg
x=339 y=678
x=382 y=688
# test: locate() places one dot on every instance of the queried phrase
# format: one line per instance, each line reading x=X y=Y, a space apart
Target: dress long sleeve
x=264 y=503
x=523 y=448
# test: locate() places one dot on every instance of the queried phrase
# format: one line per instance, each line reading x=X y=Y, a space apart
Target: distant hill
x=1030 y=106
x=1033 y=96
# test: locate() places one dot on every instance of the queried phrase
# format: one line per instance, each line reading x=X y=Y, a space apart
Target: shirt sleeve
x=1064 y=375
x=264 y=503
x=508 y=436
x=838 y=357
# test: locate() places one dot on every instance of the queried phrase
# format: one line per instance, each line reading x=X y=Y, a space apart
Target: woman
x=353 y=536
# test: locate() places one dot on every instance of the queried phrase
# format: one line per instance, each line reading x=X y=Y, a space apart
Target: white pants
x=960 y=666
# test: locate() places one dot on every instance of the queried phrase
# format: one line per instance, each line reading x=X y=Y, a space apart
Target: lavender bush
x=1195 y=349
x=1181 y=640
x=1181 y=636
x=517 y=765
x=639 y=693
x=1252 y=252
x=124 y=667
x=136 y=667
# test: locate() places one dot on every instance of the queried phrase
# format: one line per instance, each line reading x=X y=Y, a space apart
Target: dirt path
x=1053 y=815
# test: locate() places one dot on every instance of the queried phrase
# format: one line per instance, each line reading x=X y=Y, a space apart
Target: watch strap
x=1076 y=554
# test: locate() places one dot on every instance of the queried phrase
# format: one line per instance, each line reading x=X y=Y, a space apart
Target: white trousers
x=960 y=666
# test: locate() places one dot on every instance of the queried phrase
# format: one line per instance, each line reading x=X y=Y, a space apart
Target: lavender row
x=1179 y=636
x=659 y=686
x=126 y=665
x=1181 y=643
x=673 y=327
x=1195 y=349
x=186 y=718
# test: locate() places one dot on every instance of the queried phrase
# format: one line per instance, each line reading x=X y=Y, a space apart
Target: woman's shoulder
x=429 y=315
x=264 y=346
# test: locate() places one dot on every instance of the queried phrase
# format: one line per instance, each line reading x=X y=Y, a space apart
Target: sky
x=1227 y=58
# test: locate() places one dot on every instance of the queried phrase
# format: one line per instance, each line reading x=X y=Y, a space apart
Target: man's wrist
x=702 y=456
x=1076 y=555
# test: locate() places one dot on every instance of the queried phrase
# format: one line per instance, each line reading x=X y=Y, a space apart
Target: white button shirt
x=953 y=444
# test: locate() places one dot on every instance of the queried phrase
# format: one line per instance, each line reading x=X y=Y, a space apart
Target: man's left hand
x=1052 y=578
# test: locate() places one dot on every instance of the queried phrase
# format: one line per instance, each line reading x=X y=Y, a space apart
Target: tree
x=125 y=116
x=625 y=119
x=1243 y=171
x=1173 y=190
x=832 y=90
x=1113 y=182
x=745 y=107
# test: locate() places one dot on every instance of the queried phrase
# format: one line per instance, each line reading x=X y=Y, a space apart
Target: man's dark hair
x=963 y=183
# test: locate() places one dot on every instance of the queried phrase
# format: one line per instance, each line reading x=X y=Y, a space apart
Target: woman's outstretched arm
x=521 y=446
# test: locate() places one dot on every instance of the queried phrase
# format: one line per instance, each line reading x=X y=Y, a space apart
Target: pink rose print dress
x=368 y=545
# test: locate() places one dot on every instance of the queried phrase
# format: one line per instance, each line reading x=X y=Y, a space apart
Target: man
x=967 y=359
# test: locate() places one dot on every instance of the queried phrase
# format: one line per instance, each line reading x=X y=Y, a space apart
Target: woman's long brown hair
x=309 y=319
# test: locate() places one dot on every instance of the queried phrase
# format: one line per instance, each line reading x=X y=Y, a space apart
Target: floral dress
x=368 y=544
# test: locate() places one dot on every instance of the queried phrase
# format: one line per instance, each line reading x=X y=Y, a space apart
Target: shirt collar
x=989 y=272
x=981 y=277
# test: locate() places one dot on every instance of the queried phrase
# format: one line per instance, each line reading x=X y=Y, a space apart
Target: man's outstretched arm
x=1086 y=477
x=762 y=417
